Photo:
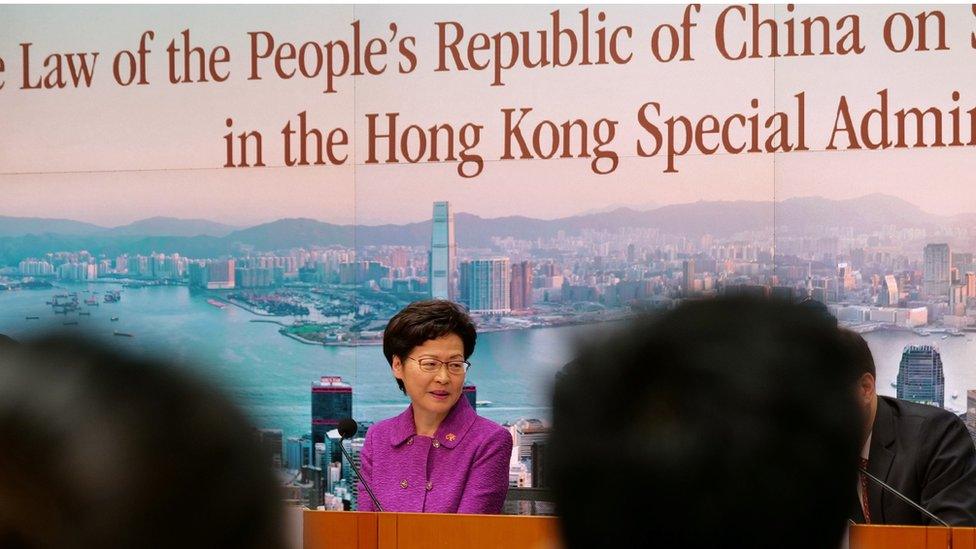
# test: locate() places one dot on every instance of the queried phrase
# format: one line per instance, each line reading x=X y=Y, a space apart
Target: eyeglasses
x=432 y=365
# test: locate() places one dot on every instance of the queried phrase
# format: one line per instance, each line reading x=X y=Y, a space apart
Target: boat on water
x=122 y=334
x=482 y=403
x=32 y=318
x=114 y=319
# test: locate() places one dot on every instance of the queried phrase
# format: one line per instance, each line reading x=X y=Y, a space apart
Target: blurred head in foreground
x=102 y=451
x=723 y=423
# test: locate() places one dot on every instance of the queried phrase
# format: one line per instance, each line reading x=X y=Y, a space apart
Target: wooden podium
x=354 y=530
x=864 y=536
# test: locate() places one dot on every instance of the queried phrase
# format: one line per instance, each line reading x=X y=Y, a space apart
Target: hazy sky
x=113 y=154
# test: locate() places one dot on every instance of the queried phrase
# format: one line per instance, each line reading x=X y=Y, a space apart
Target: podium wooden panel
x=910 y=537
x=321 y=529
x=353 y=530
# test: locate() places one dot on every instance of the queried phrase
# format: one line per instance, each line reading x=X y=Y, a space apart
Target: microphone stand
x=909 y=501
x=376 y=502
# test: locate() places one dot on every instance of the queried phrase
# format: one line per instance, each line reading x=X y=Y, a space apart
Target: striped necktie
x=864 y=492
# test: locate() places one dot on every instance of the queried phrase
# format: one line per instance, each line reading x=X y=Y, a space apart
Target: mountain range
x=153 y=226
x=27 y=237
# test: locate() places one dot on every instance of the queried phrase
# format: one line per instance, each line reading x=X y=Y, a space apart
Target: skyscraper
x=470 y=392
x=198 y=274
x=888 y=297
x=920 y=375
x=688 y=277
x=936 y=270
x=443 y=253
x=298 y=452
x=485 y=285
x=957 y=299
x=538 y=459
x=527 y=432
x=220 y=274
x=331 y=402
x=963 y=262
x=521 y=286
x=354 y=448
x=845 y=278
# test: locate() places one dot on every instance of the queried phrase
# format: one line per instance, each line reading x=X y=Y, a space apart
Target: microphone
x=347 y=429
x=907 y=500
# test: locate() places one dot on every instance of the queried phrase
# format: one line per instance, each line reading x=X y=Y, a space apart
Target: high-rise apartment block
x=485 y=285
x=521 y=286
x=936 y=275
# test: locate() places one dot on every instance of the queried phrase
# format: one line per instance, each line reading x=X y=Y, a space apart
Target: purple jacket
x=462 y=469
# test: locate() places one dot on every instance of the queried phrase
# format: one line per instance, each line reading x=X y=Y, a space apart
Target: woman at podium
x=438 y=456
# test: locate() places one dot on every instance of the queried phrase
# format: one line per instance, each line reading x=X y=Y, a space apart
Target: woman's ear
x=397 y=368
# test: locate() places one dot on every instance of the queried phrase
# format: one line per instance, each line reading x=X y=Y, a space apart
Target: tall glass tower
x=443 y=253
x=331 y=402
x=888 y=297
x=936 y=269
x=920 y=376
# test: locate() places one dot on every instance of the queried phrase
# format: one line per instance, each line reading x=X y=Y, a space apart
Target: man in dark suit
x=922 y=451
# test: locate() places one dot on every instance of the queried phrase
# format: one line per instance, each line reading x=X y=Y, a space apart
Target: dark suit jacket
x=927 y=454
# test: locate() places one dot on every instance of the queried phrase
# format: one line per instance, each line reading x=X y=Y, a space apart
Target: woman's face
x=432 y=392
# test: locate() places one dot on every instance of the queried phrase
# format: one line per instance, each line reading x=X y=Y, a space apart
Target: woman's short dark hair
x=425 y=320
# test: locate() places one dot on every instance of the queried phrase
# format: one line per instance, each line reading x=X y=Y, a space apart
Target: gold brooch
x=451 y=437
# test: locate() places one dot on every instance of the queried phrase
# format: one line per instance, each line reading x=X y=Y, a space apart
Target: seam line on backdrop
x=775 y=59
x=355 y=213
